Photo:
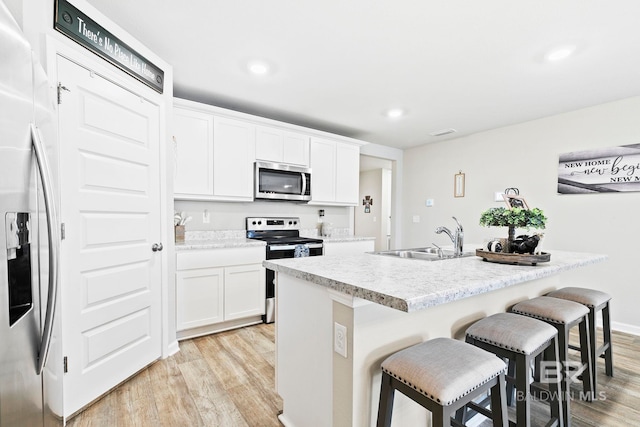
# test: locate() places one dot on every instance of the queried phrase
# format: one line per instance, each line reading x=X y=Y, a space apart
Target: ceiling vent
x=442 y=132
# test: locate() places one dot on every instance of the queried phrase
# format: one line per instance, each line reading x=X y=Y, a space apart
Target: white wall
x=368 y=224
x=396 y=156
x=377 y=184
x=526 y=156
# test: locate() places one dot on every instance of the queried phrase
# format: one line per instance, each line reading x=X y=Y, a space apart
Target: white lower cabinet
x=242 y=297
x=200 y=297
x=219 y=289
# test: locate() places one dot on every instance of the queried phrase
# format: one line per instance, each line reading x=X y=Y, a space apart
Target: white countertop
x=217 y=244
x=343 y=239
x=410 y=284
x=221 y=239
x=218 y=239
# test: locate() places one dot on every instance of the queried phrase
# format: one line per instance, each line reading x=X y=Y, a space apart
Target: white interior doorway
x=372 y=216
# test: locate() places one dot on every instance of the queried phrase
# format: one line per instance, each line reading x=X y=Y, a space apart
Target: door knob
x=157 y=247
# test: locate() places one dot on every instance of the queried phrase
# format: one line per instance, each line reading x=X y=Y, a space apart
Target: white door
x=110 y=205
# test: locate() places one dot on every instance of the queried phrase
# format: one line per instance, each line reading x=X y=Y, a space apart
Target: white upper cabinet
x=215 y=151
x=213 y=156
x=347 y=173
x=193 y=149
x=323 y=170
x=335 y=172
x=233 y=157
x=280 y=146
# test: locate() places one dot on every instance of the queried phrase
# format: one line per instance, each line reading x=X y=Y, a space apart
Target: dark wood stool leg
x=511 y=389
x=499 y=413
x=606 y=328
x=588 y=387
x=385 y=407
x=555 y=390
x=523 y=394
x=594 y=347
x=563 y=353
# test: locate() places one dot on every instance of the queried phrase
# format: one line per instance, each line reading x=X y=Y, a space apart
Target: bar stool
x=564 y=315
x=595 y=301
x=443 y=375
x=521 y=339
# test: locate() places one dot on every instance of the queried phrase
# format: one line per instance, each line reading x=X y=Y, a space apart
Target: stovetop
x=280 y=230
x=287 y=240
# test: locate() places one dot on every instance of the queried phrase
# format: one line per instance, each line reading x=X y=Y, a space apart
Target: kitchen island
x=385 y=304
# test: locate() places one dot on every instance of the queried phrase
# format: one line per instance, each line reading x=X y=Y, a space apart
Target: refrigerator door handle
x=54 y=244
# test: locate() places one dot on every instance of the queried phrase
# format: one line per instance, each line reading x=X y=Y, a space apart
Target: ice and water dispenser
x=18 y=247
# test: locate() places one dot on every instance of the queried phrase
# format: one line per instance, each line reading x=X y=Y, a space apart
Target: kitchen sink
x=427 y=254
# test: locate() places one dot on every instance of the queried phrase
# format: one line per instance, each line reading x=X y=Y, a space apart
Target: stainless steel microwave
x=275 y=181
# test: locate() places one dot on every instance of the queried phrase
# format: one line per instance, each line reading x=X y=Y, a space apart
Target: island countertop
x=411 y=285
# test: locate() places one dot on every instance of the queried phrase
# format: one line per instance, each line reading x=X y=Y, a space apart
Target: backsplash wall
x=231 y=215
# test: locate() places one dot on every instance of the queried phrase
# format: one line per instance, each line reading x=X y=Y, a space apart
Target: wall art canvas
x=615 y=169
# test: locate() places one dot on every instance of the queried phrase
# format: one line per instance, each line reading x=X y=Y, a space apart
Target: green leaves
x=517 y=217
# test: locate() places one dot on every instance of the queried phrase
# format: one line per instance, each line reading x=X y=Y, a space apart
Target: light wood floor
x=227 y=380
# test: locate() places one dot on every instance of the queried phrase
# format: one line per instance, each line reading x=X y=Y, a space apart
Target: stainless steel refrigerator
x=28 y=235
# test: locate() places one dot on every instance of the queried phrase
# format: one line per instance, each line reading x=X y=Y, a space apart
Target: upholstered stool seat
x=520 y=339
x=595 y=301
x=443 y=375
x=564 y=315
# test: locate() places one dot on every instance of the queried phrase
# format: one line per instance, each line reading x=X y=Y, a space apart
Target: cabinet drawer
x=208 y=258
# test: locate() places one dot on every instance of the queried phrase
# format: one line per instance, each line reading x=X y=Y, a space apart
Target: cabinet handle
x=157 y=247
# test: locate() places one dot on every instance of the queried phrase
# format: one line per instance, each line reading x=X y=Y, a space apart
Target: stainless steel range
x=283 y=239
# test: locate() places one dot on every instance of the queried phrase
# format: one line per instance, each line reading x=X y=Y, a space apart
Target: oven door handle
x=290 y=247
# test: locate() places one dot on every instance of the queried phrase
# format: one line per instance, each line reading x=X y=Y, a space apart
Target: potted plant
x=513 y=218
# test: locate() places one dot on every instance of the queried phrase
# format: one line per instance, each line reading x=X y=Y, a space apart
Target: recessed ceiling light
x=395 y=113
x=559 y=53
x=258 y=68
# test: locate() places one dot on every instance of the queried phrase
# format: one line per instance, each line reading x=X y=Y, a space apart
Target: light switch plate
x=429 y=203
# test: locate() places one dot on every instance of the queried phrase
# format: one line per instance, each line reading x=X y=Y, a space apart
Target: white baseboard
x=626 y=328
x=173 y=348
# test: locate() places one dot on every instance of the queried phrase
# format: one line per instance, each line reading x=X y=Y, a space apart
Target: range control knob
x=254 y=223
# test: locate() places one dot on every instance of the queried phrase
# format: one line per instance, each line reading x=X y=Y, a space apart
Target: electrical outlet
x=340 y=339
x=416 y=219
x=206 y=218
x=497 y=196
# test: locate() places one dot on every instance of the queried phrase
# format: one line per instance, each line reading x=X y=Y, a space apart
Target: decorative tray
x=512 y=258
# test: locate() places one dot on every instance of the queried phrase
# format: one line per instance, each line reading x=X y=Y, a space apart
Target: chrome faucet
x=457 y=238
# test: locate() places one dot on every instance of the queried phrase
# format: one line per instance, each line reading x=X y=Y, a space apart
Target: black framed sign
x=83 y=30
x=614 y=169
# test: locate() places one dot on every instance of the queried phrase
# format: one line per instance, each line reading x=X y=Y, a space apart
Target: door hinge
x=65 y=363
x=63 y=231
x=60 y=89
